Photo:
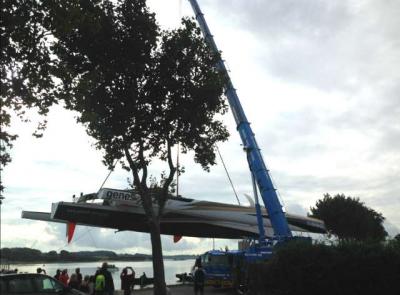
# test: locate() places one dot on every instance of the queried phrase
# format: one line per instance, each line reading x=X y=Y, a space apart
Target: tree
x=348 y=218
x=65 y=255
x=25 y=65
x=52 y=256
x=139 y=91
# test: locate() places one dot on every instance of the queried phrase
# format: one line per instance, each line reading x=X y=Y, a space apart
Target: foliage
x=20 y=254
x=395 y=243
x=347 y=268
x=348 y=218
x=133 y=92
x=25 y=66
x=138 y=91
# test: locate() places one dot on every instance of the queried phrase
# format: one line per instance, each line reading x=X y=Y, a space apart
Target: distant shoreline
x=34 y=256
x=69 y=261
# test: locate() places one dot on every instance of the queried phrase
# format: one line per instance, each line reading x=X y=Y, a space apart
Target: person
x=58 y=273
x=197 y=263
x=78 y=275
x=73 y=282
x=127 y=280
x=199 y=279
x=143 y=280
x=91 y=285
x=40 y=270
x=64 y=277
x=99 y=283
x=84 y=286
x=109 y=282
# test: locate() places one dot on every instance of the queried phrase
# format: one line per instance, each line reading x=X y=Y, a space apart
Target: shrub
x=347 y=268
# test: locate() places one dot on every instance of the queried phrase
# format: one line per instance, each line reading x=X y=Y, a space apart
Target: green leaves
x=191 y=87
x=25 y=65
x=134 y=86
x=348 y=218
x=137 y=89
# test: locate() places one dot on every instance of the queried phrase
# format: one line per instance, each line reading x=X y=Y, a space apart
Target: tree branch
x=143 y=164
x=143 y=190
x=168 y=181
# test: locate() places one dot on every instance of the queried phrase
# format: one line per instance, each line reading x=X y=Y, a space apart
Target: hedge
x=347 y=268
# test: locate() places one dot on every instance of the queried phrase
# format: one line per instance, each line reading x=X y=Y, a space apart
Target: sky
x=318 y=80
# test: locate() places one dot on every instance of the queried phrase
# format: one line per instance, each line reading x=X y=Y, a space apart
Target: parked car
x=33 y=284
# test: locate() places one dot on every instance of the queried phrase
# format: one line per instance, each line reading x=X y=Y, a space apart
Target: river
x=172 y=267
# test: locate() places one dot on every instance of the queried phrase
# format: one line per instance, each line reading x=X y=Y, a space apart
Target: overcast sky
x=318 y=80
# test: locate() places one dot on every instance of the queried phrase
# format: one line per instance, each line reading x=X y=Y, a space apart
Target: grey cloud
x=294 y=133
x=380 y=193
x=334 y=45
x=376 y=108
x=307 y=17
x=295 y=208
x=391 y=229
x=314 y=183
x=95 y=238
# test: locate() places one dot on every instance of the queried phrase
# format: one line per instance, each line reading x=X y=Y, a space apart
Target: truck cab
x=221 y=267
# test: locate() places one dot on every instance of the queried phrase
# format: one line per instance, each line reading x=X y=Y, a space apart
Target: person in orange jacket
x=64 y=277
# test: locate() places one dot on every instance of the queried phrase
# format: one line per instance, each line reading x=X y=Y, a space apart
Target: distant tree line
x=33 y=255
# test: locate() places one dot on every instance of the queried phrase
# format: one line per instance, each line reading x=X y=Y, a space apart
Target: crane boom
x=255 y=160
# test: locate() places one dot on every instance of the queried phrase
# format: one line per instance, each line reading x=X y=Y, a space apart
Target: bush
x=347 y=268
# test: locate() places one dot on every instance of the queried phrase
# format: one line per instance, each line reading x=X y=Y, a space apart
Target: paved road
x=180 y=290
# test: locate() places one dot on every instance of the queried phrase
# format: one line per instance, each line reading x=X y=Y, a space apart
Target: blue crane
x=255 y=160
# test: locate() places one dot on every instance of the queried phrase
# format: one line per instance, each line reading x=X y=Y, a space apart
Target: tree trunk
x=158 y=261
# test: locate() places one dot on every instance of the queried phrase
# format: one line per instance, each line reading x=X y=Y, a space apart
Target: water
x=171 y=267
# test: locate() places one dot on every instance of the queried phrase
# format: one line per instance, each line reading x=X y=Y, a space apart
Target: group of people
x=101 y=283
x=76 y=280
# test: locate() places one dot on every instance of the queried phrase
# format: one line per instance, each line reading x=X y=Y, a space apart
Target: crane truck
x=219 y=265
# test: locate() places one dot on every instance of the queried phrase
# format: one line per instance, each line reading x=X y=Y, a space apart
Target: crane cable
x=88 y=231
x=278 y=193
x=109 y=173
x=227 y=173
x=83 y=234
